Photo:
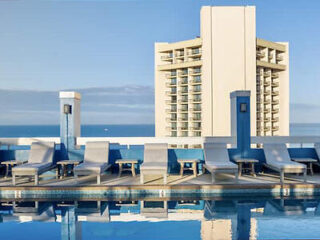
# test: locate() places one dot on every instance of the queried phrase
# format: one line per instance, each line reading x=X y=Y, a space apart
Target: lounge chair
x=155 y=161
x=96 y=160
x=217 y=160
x=40 y=161
x=278 y=159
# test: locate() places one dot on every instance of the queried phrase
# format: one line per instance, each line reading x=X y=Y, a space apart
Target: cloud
x=129 y=104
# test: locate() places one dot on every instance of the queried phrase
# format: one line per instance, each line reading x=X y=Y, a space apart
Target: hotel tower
x=193 y=78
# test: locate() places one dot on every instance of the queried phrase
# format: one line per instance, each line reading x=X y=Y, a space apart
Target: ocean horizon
x=122 y=130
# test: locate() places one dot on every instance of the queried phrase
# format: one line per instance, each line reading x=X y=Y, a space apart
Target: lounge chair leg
x=165 y=178
x=213 y=177
x=281 y=177
x=13 y=179
x=98 y=179
x=141 y=178
x=305 y=175
x=36 y=179
x=237 y=176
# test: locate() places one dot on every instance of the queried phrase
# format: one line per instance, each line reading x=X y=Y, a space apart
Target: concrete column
x=69 y=120
x=240 y=120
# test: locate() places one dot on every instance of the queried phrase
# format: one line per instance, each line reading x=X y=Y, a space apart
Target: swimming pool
x=212 y=218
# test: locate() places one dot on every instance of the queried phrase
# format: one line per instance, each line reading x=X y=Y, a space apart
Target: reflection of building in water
x=220 y=219
x=226 y=220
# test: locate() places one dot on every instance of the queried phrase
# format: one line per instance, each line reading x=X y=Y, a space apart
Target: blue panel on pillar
x=243 y=125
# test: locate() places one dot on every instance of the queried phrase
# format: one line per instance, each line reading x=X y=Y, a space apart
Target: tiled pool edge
x=159 y=191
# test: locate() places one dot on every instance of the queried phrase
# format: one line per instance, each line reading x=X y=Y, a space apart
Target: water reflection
x=219 y=218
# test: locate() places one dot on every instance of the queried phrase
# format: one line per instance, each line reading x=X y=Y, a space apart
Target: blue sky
x=46 y=46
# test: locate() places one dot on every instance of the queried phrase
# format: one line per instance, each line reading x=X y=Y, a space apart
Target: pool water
x=230 y=218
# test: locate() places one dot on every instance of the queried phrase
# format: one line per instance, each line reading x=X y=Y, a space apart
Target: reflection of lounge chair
x=32 y=211
x=220 y=209
x=96 y=160
x=92 y=211
x=155 y=161
x=40 y=161
x=154 y=209
x=217 y=160
x=282 y=207
x=278 y=159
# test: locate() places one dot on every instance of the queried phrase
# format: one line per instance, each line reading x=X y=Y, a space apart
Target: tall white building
x=193 y=78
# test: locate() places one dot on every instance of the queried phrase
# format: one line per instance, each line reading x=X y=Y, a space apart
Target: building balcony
x=267 y=92
x=171 y=128
x=275 y=101
x=183 y=128
x=279 y=58
x=275 y=128
x=266 y=101
x=270 y=56
x=171 y=119
x=196 y=109
x=183 y=92
x=171 y=93
x=197 y=90
x=195 y=82
x=171 y=101
x=182 y=119
x=195 y=72
x=171 y=110
x=275 y=84
x=171 y=75
x=275 y=75
x=167 y=56
x=266 y=119
x=266 y=110
x=266 y=74
x=260 y=54
x=196 y=128
x=185 y=100
x=171 y=84
x=266 y=83
x=275 y=93
x=179 y=54
x=183 y=74
x=197 y=100
x=183 y=110
x=275 y=110
x=275 y=119
x=266 y=128
x=195 y=119
x=194 y=52
x=183 y=82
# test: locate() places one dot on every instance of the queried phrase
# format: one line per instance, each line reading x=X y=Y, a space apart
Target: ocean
x=142 y=130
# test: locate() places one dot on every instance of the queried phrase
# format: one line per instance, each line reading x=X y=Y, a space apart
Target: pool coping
x=159 y=191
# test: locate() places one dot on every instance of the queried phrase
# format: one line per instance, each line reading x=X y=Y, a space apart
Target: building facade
x=193 y=78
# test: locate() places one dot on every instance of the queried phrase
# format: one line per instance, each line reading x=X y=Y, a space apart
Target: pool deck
x=127 y=187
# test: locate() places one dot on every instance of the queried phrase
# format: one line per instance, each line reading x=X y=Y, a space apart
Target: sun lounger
x=96 y=160
x=278 y=159
x=40 y=161
x=217 y=160
x=155 y=161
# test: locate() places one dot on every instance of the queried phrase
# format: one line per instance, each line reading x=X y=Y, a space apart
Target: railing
x=27 y=141
x=286 y=140
x=170 y=140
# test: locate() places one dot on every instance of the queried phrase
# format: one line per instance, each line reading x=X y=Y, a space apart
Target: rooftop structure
x=193 y=78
